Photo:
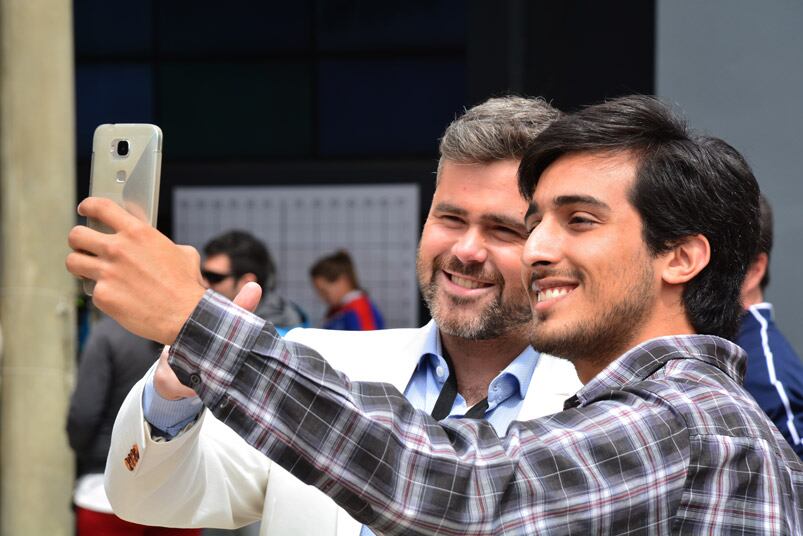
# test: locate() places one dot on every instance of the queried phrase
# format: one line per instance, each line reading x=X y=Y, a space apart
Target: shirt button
x=195 y=379
x=224 y=403
x=439 y=371
x=496 y=387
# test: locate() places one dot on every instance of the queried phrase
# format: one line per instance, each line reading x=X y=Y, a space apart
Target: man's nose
x=470 y=247
x=543 y=246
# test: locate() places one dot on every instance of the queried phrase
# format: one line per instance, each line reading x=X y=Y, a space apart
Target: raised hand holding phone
x=126 y=168
x=143 y=280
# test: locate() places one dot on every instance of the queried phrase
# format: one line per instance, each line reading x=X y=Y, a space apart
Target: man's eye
x=581 y=220
x=451 y=219
x=508 y=232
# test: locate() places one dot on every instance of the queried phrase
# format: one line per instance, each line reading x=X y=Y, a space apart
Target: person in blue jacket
x=774 y=373
x=350 y=308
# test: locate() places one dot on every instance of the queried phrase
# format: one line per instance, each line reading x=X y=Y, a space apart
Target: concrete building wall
x=736 y=68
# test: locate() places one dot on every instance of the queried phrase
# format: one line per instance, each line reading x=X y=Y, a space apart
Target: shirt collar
x=763 y=307
x=520 y=369
x=640 y=362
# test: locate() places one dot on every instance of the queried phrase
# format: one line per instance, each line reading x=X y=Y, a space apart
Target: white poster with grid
x=378 y=225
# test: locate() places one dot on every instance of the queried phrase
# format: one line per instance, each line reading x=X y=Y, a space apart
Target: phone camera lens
x=122 y=148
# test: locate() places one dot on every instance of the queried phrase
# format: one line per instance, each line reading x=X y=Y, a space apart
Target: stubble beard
x=601 y=339
x=455 y=316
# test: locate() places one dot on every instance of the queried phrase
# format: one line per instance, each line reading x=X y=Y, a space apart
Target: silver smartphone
x=126 y=167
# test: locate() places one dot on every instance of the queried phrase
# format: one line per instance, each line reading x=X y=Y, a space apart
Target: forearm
x=358 y=465
x=397 y=470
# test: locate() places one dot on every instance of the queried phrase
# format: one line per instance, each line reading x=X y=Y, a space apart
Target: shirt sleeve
x=168 y=417
x=397 y=470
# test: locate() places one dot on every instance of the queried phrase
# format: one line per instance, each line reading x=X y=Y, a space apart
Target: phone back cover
x=131 y=181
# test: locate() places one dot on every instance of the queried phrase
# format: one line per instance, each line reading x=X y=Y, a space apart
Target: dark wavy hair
x=685 y=185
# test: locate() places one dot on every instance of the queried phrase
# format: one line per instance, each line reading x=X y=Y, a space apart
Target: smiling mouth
x=551 y=293
x=470 y=284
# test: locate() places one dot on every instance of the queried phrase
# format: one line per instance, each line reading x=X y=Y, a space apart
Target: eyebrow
x=499 y=219
x=448 y=207
x=564 y=200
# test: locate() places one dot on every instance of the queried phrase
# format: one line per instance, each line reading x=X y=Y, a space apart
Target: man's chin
x=558 y=345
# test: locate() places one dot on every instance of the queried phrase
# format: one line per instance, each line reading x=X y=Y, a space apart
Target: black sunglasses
x=213 y=277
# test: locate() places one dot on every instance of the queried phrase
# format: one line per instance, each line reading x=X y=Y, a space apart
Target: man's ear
x=686 y=260
x=755 y=273
x=247 y=278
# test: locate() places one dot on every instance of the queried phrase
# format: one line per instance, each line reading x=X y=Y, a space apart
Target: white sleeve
x=207 y=476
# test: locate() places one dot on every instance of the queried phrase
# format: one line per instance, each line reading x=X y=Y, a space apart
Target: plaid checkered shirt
x=663 y=441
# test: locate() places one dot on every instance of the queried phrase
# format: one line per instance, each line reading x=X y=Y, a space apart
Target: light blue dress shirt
x=506 y=391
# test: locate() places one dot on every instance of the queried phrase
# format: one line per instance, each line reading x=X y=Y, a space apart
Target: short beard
x=495 y=320
x=602 y=339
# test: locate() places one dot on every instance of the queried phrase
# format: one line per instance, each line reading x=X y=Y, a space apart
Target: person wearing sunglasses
x=235 y=258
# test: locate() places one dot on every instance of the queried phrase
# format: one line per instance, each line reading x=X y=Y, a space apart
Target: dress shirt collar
x=640 y=362
x=518 y=373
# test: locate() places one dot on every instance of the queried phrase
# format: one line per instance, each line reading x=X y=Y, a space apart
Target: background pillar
x=37 y=295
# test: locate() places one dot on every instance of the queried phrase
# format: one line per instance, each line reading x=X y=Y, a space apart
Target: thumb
x=249 y=296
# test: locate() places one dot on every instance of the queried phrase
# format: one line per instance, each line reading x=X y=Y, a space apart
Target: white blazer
x=208 y=476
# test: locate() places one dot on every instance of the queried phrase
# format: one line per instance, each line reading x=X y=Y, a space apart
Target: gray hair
x=498 y=129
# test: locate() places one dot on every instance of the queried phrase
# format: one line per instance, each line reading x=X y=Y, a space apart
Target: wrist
x=181 y=313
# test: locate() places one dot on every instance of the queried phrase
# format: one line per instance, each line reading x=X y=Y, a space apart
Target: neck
x=477 y=362
x=666 y=322
x=753 y=297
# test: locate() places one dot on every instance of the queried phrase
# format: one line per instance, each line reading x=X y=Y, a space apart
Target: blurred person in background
x=774 y=374
x=111 y=362
x=335 y=280
x=234 y=258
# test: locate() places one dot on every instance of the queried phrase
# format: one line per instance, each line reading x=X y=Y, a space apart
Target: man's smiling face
x=591 y=281
x=469 y=266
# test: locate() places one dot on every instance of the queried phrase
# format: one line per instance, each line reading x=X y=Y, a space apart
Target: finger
x=82 y=238
x=83 y=265
x=106 y=211
x=249 y=296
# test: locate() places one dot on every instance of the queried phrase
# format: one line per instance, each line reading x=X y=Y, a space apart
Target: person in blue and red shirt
x=350 y=308
x=774 y=373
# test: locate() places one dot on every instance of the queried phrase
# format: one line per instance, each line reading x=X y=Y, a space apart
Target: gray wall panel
x=736 y=68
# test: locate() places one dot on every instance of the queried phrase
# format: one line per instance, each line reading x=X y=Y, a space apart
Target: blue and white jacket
x=774 y=373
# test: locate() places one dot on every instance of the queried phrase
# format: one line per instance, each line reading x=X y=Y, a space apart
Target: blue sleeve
x=168 y=417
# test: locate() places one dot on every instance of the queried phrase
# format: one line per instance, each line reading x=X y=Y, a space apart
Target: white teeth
x=551 y=293
x=466 y=283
